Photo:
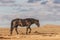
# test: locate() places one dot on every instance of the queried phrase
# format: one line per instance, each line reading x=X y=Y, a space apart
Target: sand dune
x=47 y=32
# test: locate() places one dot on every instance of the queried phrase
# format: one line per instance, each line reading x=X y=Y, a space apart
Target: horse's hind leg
x=27 y=31
x=16 y=30
x=11 y=30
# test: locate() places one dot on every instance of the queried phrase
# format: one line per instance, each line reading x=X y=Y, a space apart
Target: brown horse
x=23 y=23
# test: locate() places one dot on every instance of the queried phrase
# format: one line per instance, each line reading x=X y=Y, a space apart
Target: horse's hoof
x=26 y=33
x=29 y=32
x=17 y=33
x=9 y=35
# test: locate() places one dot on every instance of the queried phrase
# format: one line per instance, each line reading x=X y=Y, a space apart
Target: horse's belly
x=23 y=25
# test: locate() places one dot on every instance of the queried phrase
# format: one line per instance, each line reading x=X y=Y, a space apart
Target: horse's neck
x=33 y=22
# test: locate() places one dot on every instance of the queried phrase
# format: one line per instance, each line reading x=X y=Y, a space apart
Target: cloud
x=38 y=1
x=45 y=2
x=7 y=1
x=57 y=1
x=32 y=1
x=48 y=12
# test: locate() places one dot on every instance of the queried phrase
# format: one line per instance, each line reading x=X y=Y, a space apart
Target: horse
x=23 y=23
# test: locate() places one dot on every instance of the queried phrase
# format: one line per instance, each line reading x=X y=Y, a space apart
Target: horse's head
x=37 y=23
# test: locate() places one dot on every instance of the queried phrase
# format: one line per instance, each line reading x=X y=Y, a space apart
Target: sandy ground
x=47 y=32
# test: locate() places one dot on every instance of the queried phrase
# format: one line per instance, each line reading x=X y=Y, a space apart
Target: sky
x=47 y=11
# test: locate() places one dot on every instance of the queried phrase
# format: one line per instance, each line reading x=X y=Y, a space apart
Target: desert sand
x=46 y=32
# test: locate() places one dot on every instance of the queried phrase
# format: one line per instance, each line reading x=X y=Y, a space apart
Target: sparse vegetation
x=44 y=33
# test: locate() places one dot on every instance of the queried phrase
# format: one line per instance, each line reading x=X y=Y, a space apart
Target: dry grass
x=47 y=32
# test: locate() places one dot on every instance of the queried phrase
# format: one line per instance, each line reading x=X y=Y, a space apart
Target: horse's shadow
x=39 y=33
x=0 y=34
x=46 y=34
x=4 y=38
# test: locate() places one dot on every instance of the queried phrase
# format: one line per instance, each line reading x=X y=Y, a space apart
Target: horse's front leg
x=30 y=30
x=27 y=30
x=11 y=30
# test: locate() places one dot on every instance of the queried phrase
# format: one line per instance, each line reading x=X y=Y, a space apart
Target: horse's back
x=23 y=21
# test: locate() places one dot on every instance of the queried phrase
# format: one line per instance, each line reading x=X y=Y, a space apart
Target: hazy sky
x=47 y=11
